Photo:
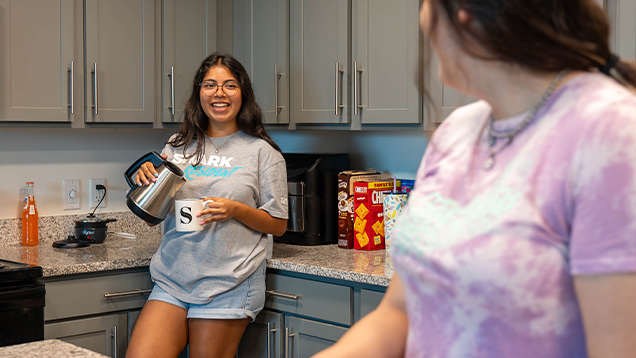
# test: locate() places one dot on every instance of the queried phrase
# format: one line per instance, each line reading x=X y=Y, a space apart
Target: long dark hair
x=195 y=122
x=540 y=35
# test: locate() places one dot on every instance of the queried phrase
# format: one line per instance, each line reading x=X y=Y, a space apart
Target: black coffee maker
x=312 y=184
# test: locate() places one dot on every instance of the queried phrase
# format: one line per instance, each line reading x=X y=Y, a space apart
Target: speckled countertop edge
x=50 y=348
x=120 y=252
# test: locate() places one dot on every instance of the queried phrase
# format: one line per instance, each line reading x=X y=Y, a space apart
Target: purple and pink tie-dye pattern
x=487 y=257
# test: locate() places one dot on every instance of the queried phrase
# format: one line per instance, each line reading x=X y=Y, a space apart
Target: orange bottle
x=29 y=219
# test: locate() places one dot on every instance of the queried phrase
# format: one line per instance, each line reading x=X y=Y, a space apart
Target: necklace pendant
x=489 y=162
x=216 y=151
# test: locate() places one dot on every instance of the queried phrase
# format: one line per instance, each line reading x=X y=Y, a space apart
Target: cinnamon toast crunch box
x=368 y=217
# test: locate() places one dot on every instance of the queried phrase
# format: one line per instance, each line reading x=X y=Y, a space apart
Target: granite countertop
x=51 y=348
x=121 y=252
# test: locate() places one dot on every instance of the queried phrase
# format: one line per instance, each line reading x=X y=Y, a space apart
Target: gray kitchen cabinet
x=263 y=338
x=305 y=314
x=95 y=311
x=120 y=61
x=307 y=337
x=188 y=35
x=369 y=300
x=446 y=99
x=261 y=44
x=39 y=48
x=386 y=59
x=103 y=334
x=319 y=61
x=621 y=14
x=355 y=62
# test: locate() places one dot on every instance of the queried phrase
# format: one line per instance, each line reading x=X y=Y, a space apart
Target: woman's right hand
x=147 y=173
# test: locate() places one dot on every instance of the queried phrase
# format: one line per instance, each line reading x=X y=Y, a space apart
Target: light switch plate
x=71 y=194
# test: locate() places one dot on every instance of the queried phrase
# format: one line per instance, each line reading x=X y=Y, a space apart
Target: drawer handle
x=283 y=295
x=127 y=293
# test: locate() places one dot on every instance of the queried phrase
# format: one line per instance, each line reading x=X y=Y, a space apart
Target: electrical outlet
x=71 y=194
x=94 y=195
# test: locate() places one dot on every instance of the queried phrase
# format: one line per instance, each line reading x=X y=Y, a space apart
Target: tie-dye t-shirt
x=487 y=258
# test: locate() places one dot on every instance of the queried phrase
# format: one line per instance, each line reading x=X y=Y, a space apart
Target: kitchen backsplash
x=54 y=228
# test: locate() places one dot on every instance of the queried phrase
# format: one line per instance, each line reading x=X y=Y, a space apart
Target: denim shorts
x=243 y=301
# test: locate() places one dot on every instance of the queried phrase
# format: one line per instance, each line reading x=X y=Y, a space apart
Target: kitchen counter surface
x=121 y=252
x=50 y=348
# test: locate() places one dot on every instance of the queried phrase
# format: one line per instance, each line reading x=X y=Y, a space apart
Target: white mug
x=185 y=213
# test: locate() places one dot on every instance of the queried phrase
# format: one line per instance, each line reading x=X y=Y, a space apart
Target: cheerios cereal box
x=346 y=179
x=368 y=217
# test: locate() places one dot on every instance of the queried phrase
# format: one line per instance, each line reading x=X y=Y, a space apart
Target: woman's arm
x=608 y=308
x=381 y=333
x=222 y=209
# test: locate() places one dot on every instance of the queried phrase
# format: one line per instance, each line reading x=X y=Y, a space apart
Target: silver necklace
x=217 y=149
x=509 y=135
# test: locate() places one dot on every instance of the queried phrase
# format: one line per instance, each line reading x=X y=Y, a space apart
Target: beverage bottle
x=29 y=219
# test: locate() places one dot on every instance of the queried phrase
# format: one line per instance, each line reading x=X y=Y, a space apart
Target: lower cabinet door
x=305 y=338
x=263 y=338
x=132 y=319
x=104 y=334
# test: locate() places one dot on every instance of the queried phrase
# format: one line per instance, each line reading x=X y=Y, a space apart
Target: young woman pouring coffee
x=210 y=284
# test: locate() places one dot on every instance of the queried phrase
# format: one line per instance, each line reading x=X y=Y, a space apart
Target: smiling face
x=220 y=107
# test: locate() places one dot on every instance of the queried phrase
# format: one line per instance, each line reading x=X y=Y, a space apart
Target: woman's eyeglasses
x=209 y=88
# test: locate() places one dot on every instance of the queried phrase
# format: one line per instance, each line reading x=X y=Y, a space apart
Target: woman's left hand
x=220 y=209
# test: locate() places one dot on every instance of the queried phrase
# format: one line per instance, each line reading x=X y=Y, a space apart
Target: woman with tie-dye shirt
x=519 y=239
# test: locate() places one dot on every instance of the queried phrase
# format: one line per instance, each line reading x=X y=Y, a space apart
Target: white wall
x=46 y=156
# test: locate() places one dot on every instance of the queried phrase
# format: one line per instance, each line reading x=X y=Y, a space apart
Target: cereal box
x=345 y=203
x=368 y=220
x=407 y=185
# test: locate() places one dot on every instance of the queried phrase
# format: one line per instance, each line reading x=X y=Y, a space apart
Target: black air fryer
x=312 y=184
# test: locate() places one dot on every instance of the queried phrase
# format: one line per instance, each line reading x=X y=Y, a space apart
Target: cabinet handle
x=94 y=72
x=171 y=75
x=283 y=295
x=72 y=104
x=127 y=293
x=115 y=344
x=270 y=330
x=338 y=72
x=287 y=337
x=276 y=76
x=356 y=88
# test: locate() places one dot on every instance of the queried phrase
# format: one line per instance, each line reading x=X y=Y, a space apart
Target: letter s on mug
x=186 y=215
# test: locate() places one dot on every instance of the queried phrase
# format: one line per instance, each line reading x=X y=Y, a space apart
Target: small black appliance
x=21 y=303
x=90 y=230
x=312 y=184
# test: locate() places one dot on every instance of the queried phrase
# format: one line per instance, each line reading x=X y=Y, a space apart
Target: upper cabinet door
x=623 y=27
x=319 y=32
x=261 y=38
x=445 y=99
x=189 y=36
x=385 y=68
x=120 y=58
x=37 y=60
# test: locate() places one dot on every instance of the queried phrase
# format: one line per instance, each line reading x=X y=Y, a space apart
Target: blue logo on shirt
x=200 y=171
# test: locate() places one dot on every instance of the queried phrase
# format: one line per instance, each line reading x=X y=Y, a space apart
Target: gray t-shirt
x=196 y=266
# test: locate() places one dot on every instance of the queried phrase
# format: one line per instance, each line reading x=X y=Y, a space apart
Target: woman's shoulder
x=262 y=147
x=593 y=101
x=462 y=124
